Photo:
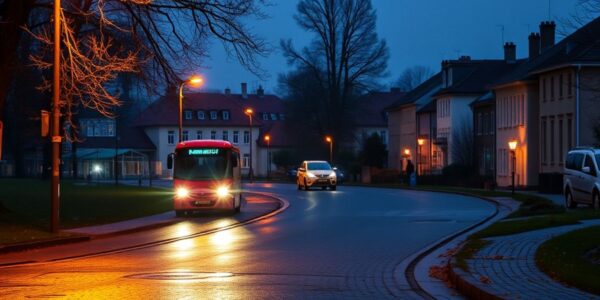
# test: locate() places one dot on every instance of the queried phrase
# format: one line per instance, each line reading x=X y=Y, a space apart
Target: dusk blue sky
x=422 y=32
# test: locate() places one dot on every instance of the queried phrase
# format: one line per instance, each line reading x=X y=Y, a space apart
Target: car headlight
x=182 y=192
x=222 y=191
x=311 y=175
x=332 y=175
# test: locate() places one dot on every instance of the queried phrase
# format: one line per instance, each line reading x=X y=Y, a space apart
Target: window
x=552 y=88
x=570 y=84
x=200 y=115
x=171 y=137
x=187 y=114
x=543 y=141
x=213 y=135
x=246 y=161
x=560 y=141
x=574 y=161
x=185 y=135
x=199 y=134
x=560 y=86
x=569 y=132
x=383 y=136
x=98 y=127
x=544 y=85
x=225 y=114
x=551 y=141
x=479 y=123
x=213 y=115
x=225 y=135
x=274 y=117
x=236 y=137
x=491 y=126
x=265 y=116
x=589 y=162
x=282 y=117
x=246 y=137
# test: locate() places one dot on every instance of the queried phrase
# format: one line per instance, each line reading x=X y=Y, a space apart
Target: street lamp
x=512 y=144
x=268 y=140
x=249 y=112
x=420 y=155
x=194 y=81
x=330 y=141
x=55 y=127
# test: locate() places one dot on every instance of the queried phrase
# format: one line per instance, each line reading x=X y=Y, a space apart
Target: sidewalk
x=506 y=268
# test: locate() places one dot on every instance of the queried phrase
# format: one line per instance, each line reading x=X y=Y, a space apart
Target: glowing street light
x=512 y=144
x=407 y=152
x=419 y=155
x=195 y=81
x=268 y=141
x=329 y=139
x=249 y=112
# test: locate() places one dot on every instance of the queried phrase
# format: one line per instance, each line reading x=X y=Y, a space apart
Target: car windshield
x=201 y=163
x=597 y=159
x=318 y=166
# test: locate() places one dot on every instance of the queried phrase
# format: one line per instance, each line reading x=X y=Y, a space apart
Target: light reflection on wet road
x=340 y=244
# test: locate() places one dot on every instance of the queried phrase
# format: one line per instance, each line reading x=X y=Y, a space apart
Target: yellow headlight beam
x=222 y=191
x=182 y=192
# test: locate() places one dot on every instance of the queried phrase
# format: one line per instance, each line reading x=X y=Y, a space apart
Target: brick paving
x=509 y=263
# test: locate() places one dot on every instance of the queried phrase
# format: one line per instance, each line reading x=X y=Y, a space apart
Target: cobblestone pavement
x=326 y=245
x=509 y=264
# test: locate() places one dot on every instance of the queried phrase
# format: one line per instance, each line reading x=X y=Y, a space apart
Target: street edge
x=415 y=259
x=283 y=205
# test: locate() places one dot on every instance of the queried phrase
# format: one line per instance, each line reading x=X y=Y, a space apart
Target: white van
x=581 y=183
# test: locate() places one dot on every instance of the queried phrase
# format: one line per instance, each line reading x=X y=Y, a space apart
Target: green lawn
x=26 y=205
x=567 y=258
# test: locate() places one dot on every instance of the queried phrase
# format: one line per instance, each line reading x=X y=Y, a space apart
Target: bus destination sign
x=204 y=151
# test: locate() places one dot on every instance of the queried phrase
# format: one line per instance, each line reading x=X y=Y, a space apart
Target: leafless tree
x=161 y=40
x=412 y=77
x=585 y=11
x=345 y=58
x=463 y=143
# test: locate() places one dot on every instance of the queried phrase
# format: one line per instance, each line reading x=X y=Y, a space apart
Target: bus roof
x=205 y=143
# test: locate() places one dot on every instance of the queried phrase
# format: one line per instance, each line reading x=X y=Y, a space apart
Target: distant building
x=217 y=116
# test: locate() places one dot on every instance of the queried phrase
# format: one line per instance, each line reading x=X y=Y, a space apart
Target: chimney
x=534 y=45
x=547 y=34
x=244 y=90
x=510 y=52
x=227 y=91
x=260 y=91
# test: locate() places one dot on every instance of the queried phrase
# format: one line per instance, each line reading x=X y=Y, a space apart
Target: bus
x=206 y=176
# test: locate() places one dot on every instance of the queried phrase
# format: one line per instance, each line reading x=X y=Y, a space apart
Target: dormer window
x=274 y=117
x=187 y=114
x=282 y=117
x=265 y=116
x=213 y=114
x=225 y=114
x=200 y=115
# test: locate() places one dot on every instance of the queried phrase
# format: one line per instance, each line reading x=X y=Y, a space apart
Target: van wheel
x=569 y=202
x=596 y=200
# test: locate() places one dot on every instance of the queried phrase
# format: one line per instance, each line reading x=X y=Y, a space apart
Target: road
x=342 y=244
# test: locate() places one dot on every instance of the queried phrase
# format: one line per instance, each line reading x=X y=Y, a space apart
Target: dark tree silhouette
x=413 y=77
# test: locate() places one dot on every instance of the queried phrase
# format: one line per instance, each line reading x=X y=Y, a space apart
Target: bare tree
x=463 y=143
x=413 y=77
x=345 y=58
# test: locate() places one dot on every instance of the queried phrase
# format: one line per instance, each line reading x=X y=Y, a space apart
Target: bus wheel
x=179 y=213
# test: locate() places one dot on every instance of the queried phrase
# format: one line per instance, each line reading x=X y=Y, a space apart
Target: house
x=484 y=135
x=406 y=126
x=217 y=116
x=548 y=105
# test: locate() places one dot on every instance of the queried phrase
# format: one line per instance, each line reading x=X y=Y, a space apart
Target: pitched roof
x=485 y=99
x=427 y=88
x=164 y=112
x=371 y=108
x=581 y=47
x=129 y=137
x=478 y=76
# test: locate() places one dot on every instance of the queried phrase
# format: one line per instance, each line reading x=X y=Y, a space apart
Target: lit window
x=171 y=137
x=274 y=117
x=246 y=161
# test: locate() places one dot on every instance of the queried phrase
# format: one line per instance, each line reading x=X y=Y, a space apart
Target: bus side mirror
x=170 y=161
x=234 y=160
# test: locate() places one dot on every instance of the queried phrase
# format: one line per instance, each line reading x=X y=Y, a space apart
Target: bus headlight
x=182 y=192
x=222 y=191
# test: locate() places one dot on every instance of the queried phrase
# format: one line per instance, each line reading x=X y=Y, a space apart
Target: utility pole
x=56 y=138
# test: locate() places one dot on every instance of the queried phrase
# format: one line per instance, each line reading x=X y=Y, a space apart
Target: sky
x=418 y=32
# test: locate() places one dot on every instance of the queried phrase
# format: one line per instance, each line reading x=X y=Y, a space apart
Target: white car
x=581 y=182
x=316 y=173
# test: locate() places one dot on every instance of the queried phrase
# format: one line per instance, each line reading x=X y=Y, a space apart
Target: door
x=577 y=178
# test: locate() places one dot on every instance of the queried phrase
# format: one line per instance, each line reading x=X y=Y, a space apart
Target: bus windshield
x=202 y=163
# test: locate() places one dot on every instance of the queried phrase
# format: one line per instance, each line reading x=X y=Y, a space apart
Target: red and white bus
x=206 y=176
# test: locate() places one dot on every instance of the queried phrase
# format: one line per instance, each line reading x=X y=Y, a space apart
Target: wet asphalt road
x=342 y=244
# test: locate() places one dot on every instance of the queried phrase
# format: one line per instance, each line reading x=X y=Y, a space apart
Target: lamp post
x=512 y=144
x=195 y=81
x=56 y=137
x=420 y=155
x=330 y=141
x=268 y=140
x=249 y=113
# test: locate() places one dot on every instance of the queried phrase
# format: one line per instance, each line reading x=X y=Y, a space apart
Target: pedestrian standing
x=410 y=169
